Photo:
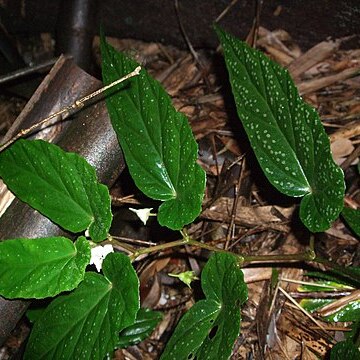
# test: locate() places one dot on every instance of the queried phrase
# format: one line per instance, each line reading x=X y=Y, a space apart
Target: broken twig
x=66 y=111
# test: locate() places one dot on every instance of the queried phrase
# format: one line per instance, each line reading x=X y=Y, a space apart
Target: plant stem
x=158 y=248
x=186 y=240
x=305 y=256
x=119 y=245
x=308 y=255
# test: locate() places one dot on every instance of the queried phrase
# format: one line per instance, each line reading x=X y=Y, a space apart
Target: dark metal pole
x=75 y=28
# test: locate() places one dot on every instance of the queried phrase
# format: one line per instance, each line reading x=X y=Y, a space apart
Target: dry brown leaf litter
x=327 y=81
x=272 y=327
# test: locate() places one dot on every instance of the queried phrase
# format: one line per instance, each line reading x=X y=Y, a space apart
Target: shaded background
x=307 y=21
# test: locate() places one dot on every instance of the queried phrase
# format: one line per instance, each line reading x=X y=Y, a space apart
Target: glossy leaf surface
x=145 y=323
x=60 y=185
x=285 y=133
x=86 y=323
x=208 y=330
x=345 y=275
x=312 y=305
x=157 y=141
x=324 y=285
x=44 y=267
x=33 y=314
x=350 y=312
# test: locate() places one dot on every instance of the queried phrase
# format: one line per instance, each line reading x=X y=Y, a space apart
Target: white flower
x=98 y=254
x=143 y=214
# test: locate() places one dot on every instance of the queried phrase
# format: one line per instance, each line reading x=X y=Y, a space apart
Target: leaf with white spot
x=60 y=185
x=44 y=267
x=85 y=324
x=208 y=330
x=157 y=141
x=347 y=313
x=285 y=133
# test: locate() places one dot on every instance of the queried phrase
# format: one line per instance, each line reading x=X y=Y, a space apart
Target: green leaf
x=352 y=217
x=33 y=314
x=312 y=305
x=345 y=275
x=345 y=350
x=350 y=312
x=86 y=323
x=208 y=330
x=145 y=323
x=285 y=133
x=323 y=286
x=44 y=267
x=157 y=141
x=60 y=185
x=192 y=331
x=354 y=332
